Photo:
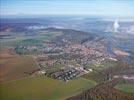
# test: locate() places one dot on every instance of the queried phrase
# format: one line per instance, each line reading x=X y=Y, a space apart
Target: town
x=64 y=59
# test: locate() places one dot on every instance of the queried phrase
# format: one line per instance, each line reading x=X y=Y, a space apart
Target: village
x=66 y=61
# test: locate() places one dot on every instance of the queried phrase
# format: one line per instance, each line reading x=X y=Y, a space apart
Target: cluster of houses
x=89 y=52
x=67 y=74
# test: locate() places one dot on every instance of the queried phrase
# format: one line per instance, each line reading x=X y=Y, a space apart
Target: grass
x=43 y=88
x=20 y=39
x=29 y=42
x=129 y=87
x=102 y=66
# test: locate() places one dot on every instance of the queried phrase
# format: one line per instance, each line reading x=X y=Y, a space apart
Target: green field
x=43 y=88
x=99 y=71
x=24 y=40
x=28 y=40
x=102 y=66
x=129 y=88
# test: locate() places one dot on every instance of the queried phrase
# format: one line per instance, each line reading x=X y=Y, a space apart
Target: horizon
x=72 y=17
x=107 y=8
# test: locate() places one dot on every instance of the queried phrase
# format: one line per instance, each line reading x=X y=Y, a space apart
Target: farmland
x=43 y=88
x=14 y=66
x=129 y=87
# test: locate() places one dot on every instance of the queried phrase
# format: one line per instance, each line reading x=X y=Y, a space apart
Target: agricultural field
x=13 y=66
x=24 y=40
x=43 y=88
x=128 y=87
x=104 y=65
x=99 y=73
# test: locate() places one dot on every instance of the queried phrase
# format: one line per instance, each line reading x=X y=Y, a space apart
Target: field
x=100 y=71
x=23 y=39
x=43 y=88
x=126 y=86
x=129 y=87
x=102 y=66
x=14 y=67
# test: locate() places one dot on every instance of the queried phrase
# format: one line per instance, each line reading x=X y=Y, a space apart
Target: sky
x=67 y=7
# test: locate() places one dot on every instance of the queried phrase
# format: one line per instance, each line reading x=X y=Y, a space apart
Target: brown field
x=120 y=52
x=6 y=53
x=14 y=66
